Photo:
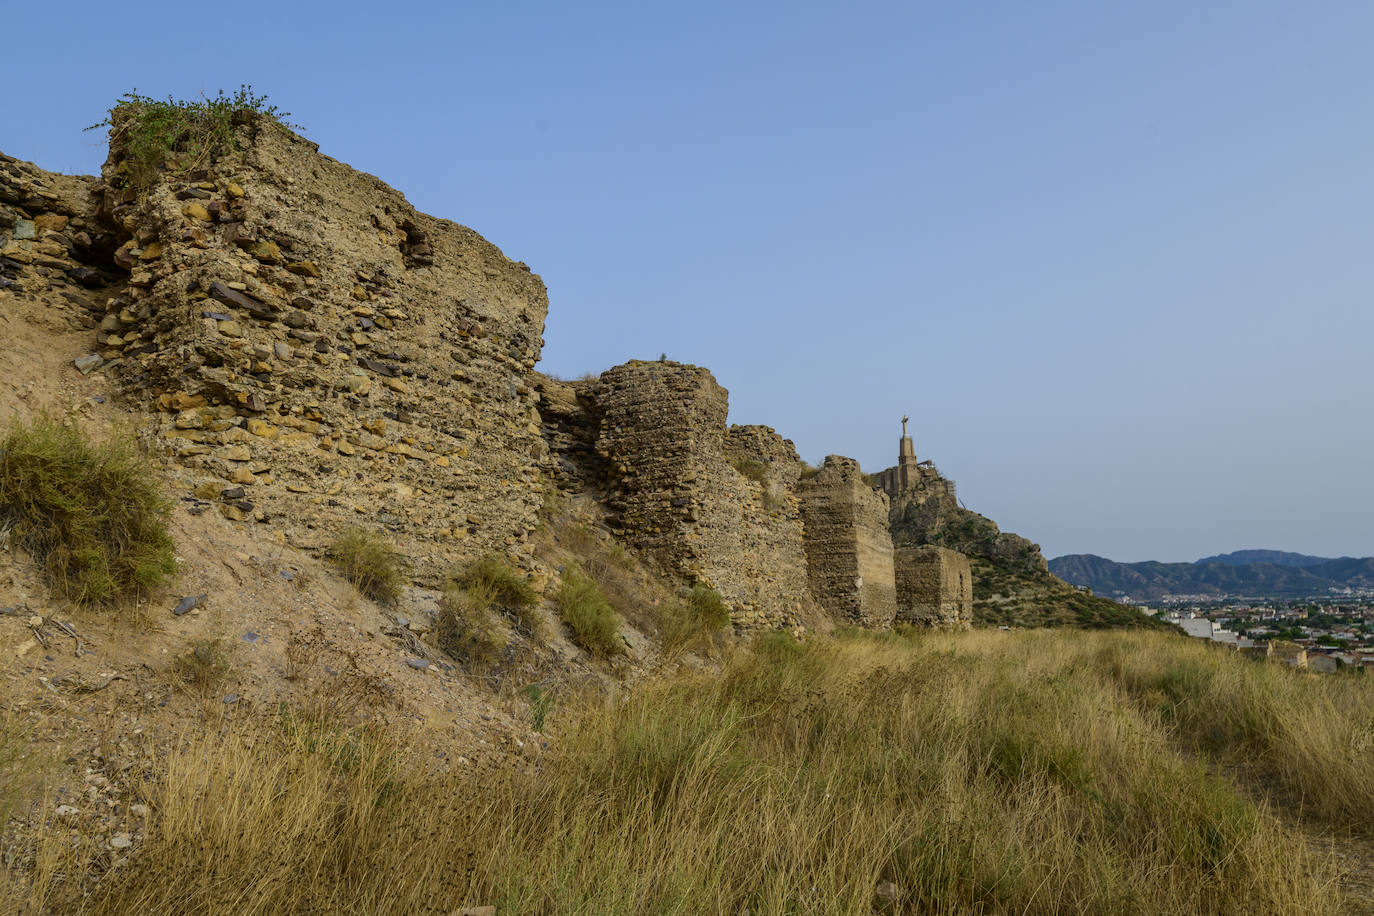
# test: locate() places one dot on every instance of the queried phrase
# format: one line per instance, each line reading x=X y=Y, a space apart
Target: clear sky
x=1116 y=260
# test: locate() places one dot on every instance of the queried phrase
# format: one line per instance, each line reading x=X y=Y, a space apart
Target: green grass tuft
x=368 y=561
x=584 y=608
x=179 y=134
x=696 y=620
x=506 y=588
x=93 y=513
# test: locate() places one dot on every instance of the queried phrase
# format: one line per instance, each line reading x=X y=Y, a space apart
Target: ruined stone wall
x=570 y=427
x=848 y=546
x=323 y=354
x=934 y=587
x=716 y=506
x=49 y=232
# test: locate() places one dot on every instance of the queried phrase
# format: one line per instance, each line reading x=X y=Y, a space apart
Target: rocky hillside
x=929 y=513
x=1012 y=583
x=1212 y=578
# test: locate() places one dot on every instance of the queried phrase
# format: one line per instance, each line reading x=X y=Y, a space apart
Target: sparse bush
x=468 y=629
x=773 y=502
x=369 y=562
x=633 y=591
x=92 y=513
x=509 y=591
x=709 y=608
x=179 y=134
x=584 y=608
x=751 y=468
x=204 y=666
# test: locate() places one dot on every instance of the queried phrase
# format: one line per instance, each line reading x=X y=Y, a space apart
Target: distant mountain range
x=1242 y=574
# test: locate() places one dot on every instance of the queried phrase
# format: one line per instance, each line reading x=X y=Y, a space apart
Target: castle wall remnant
x=323 y=354
x=848 y=545
x=715 y=505
x=934 y=587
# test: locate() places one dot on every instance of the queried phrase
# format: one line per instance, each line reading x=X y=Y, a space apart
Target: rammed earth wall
x=848 y=547
x=934 y=587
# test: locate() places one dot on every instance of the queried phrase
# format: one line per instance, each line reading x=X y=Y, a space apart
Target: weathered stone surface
x=848 y=546
x=241 y=300
x=934 y=587
x=288 y=247
x=676 y=488
x=88 y=363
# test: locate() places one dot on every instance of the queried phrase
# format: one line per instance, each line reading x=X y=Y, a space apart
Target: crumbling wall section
x=934 y=587
x=713 y=506
x=324 y=354
x=570 y=424
x=848 y=546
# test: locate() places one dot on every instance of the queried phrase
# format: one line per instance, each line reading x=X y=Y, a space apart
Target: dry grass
x=468 y=628
x=751 y=468
x=93 y=513
x=637 y=593
x=696 y=621
x=369 y=562
x=1307 y=737
x=18 y=772
x=1029 y=773
x=204 y=666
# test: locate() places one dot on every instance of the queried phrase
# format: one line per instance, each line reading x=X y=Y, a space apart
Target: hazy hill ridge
x=1277 y=557
x=1288 y=575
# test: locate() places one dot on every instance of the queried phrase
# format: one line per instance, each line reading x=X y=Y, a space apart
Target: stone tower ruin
x=848 y=545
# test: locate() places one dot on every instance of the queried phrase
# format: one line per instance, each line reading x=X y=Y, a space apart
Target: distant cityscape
x=1323 y=635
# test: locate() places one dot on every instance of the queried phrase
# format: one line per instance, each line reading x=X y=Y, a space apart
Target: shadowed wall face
x=714 y=505
x=848 y=546
x=934 y=587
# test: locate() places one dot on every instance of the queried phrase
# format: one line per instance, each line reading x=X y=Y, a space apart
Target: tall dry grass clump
x=974 y=774
x=93 y=513
x=695 y=621
x=370 y=563
x=1307 y=738
x=468 y=628
x=977 y=773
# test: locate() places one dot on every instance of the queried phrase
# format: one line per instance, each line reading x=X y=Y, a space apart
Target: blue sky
x=1116 y=260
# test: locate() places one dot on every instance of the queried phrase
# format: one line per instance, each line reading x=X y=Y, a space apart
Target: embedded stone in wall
x=934 y=587
x=715 y=506
x=848 y=546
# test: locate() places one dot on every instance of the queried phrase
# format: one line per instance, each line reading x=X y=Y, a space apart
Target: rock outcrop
x=926 y=510
x=848 y=547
